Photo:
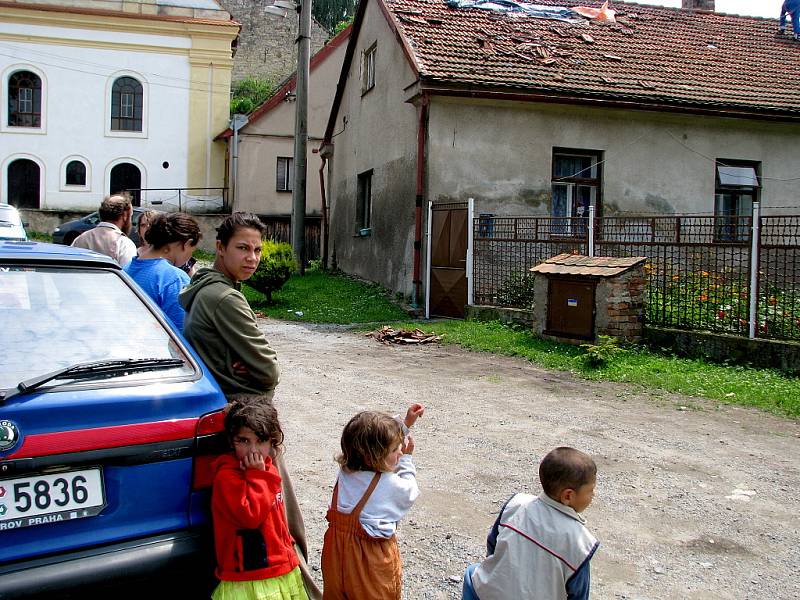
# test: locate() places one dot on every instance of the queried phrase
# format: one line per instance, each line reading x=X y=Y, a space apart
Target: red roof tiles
x=651 y=55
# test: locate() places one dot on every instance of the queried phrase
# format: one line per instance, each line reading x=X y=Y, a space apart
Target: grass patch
x=203 y=255
x=766 y=389
x=323 y=297
x=38 y=236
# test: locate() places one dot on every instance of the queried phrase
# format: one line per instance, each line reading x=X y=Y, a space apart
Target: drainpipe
x=237 y=122
x=324 y=232
x=421 y=131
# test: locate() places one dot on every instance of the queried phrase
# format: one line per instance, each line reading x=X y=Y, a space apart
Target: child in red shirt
x=255 y=552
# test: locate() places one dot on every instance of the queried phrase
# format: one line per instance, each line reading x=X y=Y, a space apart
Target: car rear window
x=52 y=318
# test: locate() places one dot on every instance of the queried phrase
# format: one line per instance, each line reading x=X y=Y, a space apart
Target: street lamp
x=303 y=8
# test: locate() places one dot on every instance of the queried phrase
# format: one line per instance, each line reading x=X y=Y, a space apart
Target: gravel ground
x=694 y=500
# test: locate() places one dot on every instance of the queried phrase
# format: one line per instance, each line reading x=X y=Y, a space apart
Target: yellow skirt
x=284 y=587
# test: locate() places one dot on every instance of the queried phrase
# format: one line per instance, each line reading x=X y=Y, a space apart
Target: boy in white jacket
x=539 y=547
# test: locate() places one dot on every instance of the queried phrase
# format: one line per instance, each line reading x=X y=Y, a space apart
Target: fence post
x=755 y=242
x=428 y=263
x=470 y=248
x=591 y=230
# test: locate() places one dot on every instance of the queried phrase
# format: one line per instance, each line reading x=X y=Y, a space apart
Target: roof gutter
x=435 y=89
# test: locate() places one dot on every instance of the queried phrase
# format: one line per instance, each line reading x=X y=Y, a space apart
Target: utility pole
x=301 y=134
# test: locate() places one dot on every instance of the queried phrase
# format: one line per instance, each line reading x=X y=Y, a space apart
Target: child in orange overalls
x=375 y=488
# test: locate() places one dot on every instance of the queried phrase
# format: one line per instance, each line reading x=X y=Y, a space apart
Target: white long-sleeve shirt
x=391 y=499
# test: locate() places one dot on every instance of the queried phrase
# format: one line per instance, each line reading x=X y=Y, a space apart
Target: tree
x=250 y=93
x=330 y=13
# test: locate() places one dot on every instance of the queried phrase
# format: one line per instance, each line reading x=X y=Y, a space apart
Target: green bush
x=516 y=291
x=276 y=266
x=250 y=93
x=602 y=352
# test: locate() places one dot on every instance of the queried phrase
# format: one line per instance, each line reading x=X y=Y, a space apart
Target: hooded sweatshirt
x=223 y=330
x=251 y=537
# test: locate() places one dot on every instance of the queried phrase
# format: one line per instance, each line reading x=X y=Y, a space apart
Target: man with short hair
x=110 y=237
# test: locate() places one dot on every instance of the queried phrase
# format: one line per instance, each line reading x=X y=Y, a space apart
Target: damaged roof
x=652 y=56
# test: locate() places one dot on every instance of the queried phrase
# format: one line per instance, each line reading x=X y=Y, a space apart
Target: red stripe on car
x=81 y=440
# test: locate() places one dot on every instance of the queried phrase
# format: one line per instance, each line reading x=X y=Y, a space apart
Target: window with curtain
x=737 y=184
x=284 y=174
x=575 y=184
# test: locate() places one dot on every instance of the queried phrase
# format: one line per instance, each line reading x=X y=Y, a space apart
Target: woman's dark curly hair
x=259 y=415
x=166 y=228
x=367 y=439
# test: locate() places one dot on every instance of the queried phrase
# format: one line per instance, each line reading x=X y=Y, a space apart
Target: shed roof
x=594 y=266
x=650 y=55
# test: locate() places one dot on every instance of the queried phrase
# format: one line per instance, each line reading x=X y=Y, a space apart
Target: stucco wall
x=500 y=153
x=262 y=141
x=377 y=131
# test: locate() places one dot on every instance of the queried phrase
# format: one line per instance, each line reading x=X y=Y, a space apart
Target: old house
x=540 y=110
x=262 y=177
x=99 y=96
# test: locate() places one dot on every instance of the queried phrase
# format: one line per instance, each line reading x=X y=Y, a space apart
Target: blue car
x=108 y=425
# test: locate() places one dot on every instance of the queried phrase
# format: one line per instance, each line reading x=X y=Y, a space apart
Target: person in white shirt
x=110 y=237
x=374 y=490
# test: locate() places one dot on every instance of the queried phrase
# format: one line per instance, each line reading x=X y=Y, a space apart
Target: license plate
x=43 y=499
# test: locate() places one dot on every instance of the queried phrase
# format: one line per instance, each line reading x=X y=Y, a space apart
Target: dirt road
x=693 y=501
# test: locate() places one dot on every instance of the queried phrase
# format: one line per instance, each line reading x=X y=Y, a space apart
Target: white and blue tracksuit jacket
x=538 y=549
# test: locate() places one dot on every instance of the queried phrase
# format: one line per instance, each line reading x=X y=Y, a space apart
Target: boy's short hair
x=367 y=439
x=565 y=468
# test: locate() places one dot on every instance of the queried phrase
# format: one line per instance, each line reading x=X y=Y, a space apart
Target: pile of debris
x=387 y=335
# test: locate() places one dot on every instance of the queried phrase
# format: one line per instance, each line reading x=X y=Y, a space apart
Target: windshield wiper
x=95 y=370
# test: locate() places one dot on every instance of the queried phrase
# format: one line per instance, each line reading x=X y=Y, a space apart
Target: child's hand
x=415 y=411
x=408 y=445
x=254 y=460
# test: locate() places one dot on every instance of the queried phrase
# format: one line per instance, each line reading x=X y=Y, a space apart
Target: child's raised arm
x=414 y=412
x=245 y=496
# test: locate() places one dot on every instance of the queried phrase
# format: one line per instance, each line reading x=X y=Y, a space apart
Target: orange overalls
x=355 y=565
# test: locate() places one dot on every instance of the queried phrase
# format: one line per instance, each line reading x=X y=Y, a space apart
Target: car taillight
x=211 y=443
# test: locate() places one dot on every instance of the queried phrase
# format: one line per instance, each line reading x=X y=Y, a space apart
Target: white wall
x=77 y=67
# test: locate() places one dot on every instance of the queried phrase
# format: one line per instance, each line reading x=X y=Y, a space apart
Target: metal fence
x=699 y=269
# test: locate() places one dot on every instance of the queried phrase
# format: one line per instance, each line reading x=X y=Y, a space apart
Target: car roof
x=40 y=252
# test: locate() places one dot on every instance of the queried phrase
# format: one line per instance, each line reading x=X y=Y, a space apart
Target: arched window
x=127 y=99
x=76 y=173
x=24 y=100
x=22 y=180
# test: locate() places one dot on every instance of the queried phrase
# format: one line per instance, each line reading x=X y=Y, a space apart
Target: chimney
x=703 y=5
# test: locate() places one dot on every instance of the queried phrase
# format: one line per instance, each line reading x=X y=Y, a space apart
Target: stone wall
x=266 y=45
x=620 y=305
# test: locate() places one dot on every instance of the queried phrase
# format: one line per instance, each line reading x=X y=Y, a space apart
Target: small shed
x=577 y=297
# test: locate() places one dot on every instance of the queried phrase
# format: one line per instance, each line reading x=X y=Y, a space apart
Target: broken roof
x=651 y=56
x=594 y=266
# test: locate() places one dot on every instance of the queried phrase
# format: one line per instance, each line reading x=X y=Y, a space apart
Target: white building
x=100 y=96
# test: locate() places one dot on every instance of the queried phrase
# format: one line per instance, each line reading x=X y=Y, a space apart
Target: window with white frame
x=368 y=69
x=75 y=173
x=284 y=174
x=127 y=104
x=737 y=185
x=576 y=181
x=364 y=203
x=24 y=100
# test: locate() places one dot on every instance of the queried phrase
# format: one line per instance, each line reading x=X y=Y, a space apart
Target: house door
x=126 y=176
x=23 y=183
x=448 y=293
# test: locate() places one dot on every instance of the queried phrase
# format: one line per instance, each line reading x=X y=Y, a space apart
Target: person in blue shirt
x=793 y=8
x=171 y=239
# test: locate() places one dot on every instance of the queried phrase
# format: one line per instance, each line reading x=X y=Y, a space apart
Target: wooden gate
x=448 y=276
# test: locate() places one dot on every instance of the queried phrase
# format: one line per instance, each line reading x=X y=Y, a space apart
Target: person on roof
x=793 y=8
